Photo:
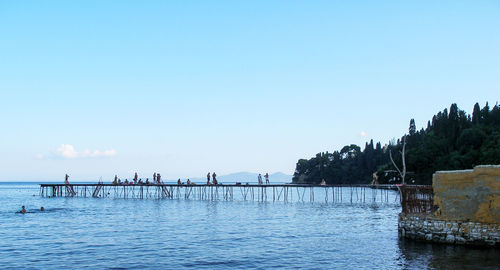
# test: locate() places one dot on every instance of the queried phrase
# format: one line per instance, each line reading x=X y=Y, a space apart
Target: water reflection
x=417 y=255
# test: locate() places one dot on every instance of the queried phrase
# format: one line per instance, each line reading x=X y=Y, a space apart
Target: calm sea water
x=173 y=234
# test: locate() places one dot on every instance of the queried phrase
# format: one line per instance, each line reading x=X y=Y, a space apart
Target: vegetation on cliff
x=452 y=140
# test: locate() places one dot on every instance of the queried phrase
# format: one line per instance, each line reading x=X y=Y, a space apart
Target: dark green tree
x=476 y=114
x=452 y=140
x=413 y=128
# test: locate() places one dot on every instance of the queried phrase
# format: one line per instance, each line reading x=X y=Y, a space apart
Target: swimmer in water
x=23 y=210
x=42 y=209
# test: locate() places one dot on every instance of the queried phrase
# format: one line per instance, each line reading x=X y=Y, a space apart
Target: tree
x=412 y=128
x=453 y=140
x=476 y=114
x=402 y=172
x=485 y=114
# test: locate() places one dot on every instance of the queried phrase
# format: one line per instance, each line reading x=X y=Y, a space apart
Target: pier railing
x=416 y=199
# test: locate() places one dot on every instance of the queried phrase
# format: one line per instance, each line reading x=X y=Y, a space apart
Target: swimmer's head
x=42 y=209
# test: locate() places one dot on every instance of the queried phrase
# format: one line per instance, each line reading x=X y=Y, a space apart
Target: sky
x=98 y=88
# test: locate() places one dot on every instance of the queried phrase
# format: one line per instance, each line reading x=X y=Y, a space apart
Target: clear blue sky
x=187 y=87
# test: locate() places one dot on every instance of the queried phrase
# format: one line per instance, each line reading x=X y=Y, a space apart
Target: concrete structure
x=466 y=209
x=428 y=228
x=470 y=195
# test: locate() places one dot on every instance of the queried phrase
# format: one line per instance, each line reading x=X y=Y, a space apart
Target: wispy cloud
x=67 y=151
x=363 y=134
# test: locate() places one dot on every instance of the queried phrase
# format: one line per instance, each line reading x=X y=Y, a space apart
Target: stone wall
x=466 y=209
x=428 y=228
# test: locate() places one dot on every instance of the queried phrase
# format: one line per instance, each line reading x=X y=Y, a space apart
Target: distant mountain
x=249 y=177
x=280 y=177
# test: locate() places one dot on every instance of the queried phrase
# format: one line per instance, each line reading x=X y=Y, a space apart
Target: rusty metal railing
x=416 y=199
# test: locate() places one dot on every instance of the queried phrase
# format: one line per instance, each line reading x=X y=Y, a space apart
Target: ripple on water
x=142 y=234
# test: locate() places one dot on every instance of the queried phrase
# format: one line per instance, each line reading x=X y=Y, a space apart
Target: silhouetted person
x=267 y=178
x=208 y=177
x=69 y=189
x=259 y=179
x=213 y=178
x=23 y=210
x=154 y=178
x=42 y=209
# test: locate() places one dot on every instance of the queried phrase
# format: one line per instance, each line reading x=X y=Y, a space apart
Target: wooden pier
x=227 y=192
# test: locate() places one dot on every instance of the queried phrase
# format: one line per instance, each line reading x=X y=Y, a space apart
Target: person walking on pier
x=208 y=177
x=135 y=178
x=213 y=178
x=267 y=178
x=154 y=178
x=259 y=179
x=69 y=188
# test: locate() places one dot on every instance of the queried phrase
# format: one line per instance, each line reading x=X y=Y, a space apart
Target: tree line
x=452 y=140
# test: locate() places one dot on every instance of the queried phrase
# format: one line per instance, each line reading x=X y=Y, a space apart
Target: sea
x=118 y=233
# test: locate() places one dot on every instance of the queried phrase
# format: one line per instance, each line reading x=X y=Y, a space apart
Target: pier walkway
x=227 y=192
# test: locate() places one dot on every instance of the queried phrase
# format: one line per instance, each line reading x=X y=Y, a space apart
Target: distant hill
x=452 y=140
x=249 y=177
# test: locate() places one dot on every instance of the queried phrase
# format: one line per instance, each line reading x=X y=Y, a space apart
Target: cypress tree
x=476 y=114
x=412 y=128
